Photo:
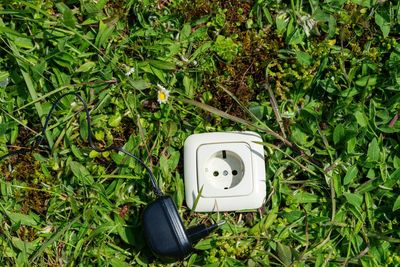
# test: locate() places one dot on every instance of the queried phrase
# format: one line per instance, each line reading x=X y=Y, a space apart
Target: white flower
x=162 y=95
x=130 y=72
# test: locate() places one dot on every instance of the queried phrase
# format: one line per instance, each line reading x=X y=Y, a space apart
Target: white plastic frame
x=199 y=153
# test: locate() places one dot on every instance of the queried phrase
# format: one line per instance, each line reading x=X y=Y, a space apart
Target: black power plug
x=165 y=233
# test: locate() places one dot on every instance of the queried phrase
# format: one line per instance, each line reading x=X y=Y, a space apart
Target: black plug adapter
x=165 y=233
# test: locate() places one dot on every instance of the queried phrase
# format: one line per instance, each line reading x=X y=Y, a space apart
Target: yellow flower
x=162 y=95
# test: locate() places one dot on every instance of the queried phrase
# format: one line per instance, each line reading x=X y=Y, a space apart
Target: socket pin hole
x=215 y=173
x=234 y=172
x=226 y=188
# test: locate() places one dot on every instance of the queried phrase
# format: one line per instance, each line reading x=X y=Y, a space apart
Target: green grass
x=319 y=81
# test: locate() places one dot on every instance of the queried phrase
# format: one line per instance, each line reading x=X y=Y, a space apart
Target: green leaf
x=361 y=119
x=363 y=3
x=281 y=22
x=396 y=162
x=337 y=184
x=290 y=29
x=258 y=111
x=338 y=134
x=284 y=254
x=68 y=17
x=115 y=120
x=162 y=65
x=202 y=49
x=77 y=153
x=264 y=224
x=370 y=80
x=396 y=204
x=303 y=58
x=305 y=197
x=81 y=173
x=164 y=165
x=395 y=175
x=267 y=15
x=139 y=84
x=332 y=26
x=179 y=190
x=296 y=38
x=351 y=145
x=25 y=219
x=10 y=31
x=199 y=34
x=83 y=127
x=23 y=42
x=231 y=262
x=25 y=246
x=192 y=260
x=350 y=92
x=158 y=73
x=204 y=244
x=86 y=66
x=185 y=32
x=118 y=263
x=373 y=151
x=383 y=21
x=188 y=85
x=93 y=154
x=105 y=32
x=64 y=60
x=3 y=77
x=354 y=199
x=301 y=138
x=126 y=233
x=350 y=175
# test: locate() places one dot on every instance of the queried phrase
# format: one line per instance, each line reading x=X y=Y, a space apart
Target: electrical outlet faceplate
x=227 y=170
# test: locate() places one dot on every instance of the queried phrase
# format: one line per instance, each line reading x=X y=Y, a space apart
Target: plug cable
x=156 y=189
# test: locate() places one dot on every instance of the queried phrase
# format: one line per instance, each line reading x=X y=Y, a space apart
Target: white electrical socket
x=228 y=168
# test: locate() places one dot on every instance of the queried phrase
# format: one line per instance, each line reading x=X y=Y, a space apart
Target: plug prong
x=220 y=223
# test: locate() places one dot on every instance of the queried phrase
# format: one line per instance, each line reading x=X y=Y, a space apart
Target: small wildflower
x=162 y=95
x=130 y=72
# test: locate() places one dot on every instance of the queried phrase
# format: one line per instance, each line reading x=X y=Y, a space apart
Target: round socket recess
x=224 y=171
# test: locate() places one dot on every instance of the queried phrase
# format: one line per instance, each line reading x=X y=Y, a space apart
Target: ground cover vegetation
x=319 y=81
